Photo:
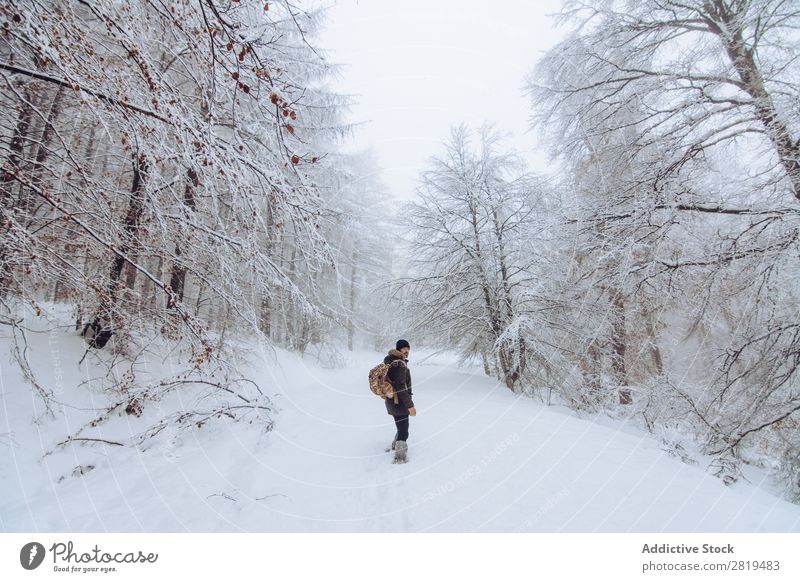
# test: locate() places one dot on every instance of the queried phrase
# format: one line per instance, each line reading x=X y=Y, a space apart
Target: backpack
x=379 y=383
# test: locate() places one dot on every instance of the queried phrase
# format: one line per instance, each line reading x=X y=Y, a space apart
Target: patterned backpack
x=379 y=383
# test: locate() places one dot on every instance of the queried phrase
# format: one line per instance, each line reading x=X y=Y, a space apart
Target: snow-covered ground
x=480 y=459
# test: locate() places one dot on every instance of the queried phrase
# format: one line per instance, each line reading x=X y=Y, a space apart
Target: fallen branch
x=71 y=439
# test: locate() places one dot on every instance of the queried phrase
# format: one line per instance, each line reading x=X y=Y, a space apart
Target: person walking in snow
x=400 y=378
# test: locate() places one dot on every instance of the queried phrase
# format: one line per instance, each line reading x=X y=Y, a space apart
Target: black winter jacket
x=400 y=378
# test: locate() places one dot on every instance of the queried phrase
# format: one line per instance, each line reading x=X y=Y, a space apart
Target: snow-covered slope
x=481 y=459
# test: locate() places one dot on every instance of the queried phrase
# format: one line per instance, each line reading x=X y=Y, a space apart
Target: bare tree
x=160 y=161
x=690 y=112
x=469 y=255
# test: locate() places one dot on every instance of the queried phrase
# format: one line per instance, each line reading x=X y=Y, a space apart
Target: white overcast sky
x=415 y=68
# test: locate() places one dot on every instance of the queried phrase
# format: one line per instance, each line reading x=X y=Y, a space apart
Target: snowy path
x=480 y=460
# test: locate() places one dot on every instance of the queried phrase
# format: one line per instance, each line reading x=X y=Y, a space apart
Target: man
x=400 y=378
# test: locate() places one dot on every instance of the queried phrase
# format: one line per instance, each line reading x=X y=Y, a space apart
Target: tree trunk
x=618 y=344
x=267 y=299
x=485 y=360
x=177 y=279
x=654 y=349
x=743 y=59
x=492 y=311
x=350 y=324
x=591 y=368
x=517 y=368
x=101 y=328
x=12 y=168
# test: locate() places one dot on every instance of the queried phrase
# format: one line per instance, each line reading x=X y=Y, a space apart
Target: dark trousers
x=401 y=422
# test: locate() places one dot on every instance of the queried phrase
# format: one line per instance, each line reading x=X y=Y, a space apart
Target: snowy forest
x=173 y=184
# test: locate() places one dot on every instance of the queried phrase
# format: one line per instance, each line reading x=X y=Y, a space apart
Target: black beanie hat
x=402 y=344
